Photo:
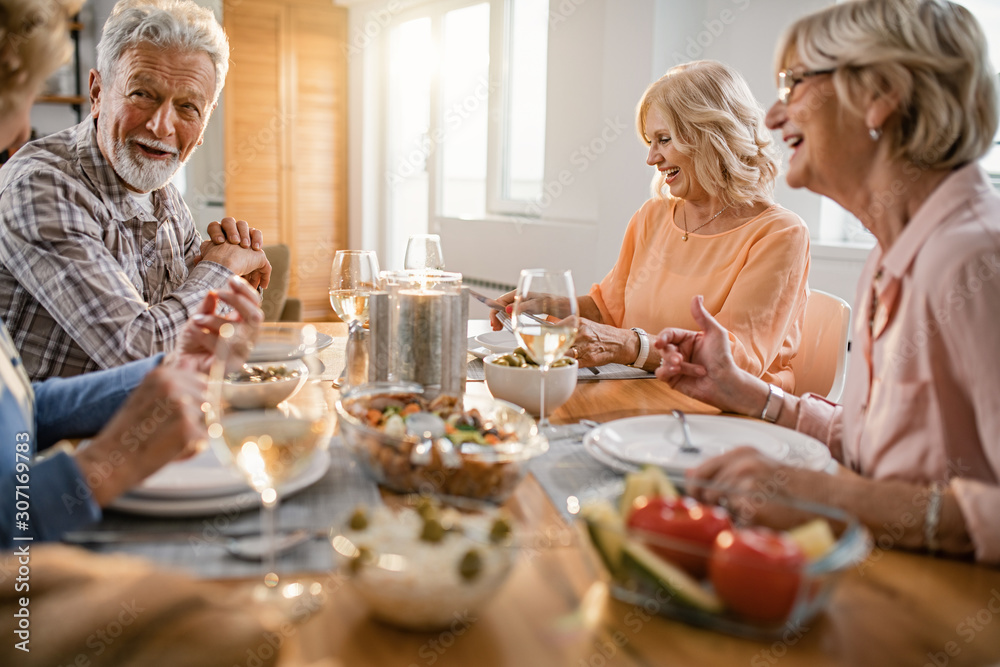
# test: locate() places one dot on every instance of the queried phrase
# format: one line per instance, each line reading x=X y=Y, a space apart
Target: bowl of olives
x=515 y=378
x=426 y=561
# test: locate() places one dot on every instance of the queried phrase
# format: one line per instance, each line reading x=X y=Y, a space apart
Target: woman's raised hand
x=700 y=364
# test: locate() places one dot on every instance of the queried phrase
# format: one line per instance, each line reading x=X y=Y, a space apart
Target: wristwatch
x=640 y=361
x=775 y=401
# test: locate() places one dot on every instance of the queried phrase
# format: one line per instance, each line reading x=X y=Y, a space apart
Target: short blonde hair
x=932 y=53
x=33 y=44
x=715 y=120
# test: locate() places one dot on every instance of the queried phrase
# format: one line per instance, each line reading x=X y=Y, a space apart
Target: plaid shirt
x=88 y=279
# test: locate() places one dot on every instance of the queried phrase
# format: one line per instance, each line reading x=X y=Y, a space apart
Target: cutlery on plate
x=688 y=447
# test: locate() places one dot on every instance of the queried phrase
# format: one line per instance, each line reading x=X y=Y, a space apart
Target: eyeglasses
x=788 y=79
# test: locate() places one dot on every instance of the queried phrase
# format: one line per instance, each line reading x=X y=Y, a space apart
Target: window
x=464 y=114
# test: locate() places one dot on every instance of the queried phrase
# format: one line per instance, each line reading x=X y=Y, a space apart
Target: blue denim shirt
x=34 y=417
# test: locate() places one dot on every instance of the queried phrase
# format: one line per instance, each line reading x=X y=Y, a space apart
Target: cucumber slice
x=650 y=482
x=607 y=532
x=667 y=575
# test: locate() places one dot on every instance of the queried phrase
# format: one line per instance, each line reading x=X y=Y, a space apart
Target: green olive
x=564 y=361
x=501 y=361
x=471 y=565
x=500 y=531
x=427 y=508
x=359 y=519
x=433 y=531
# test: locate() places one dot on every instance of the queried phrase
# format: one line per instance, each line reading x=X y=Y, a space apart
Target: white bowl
x=264 y=395
x=521 y=385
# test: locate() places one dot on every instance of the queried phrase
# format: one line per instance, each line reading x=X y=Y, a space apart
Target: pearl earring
x=875 y=133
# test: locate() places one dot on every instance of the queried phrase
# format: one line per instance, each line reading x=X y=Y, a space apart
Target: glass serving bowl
x=427 y=562
x=482 y=471
x=760 y=597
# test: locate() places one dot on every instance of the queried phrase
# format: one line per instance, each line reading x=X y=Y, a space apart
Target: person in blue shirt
x=145 y=413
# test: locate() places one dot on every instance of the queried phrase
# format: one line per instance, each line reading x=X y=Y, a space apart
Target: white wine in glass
x=546 y=319
x=269 y=446
x=353 y=278
x=350 y=304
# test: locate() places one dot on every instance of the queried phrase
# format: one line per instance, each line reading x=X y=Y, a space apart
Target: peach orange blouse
x=753 y=279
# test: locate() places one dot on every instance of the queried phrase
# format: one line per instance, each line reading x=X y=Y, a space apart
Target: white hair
x=165 y=24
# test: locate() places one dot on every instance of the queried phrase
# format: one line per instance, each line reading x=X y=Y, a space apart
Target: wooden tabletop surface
x=896 y=608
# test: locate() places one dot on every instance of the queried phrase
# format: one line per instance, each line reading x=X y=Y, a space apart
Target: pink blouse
x=922 y=400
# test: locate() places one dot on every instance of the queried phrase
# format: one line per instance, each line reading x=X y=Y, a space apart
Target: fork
x=688 y=447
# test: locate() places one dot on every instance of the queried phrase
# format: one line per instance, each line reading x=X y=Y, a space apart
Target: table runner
x=325 y=503
x=568 y=470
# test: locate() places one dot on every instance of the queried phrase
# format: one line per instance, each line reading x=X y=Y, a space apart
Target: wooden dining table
x=895 y=608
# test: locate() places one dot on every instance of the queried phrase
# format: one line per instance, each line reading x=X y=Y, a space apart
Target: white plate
x=235 y=502
x=655 y=439
x=500 y=342
x=274 y=349
x=201 y=476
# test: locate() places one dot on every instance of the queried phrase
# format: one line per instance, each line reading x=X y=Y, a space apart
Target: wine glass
x=423 y=253
x=354 y=276
x=546 y=319
x=270 y=445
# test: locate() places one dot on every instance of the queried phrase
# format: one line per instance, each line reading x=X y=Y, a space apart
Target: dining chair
x=820 y=366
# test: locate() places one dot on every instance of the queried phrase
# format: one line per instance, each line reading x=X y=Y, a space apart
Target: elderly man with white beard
x=100 y=261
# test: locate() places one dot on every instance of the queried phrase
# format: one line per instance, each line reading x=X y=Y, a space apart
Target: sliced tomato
x=688 y=529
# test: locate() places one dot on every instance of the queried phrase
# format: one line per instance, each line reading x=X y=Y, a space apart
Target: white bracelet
x=640 y=361
x=773 y=392
x=933 y=517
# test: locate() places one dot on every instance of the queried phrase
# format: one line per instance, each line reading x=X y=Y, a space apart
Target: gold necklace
x=685 y=237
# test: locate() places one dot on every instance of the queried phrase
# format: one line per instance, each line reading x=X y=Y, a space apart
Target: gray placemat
x=203 y=554
x=568 y=470
x=474 y=371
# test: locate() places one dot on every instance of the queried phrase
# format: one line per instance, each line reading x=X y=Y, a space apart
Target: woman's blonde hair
x=714 y=119
x=33 y=44
x=931 y=53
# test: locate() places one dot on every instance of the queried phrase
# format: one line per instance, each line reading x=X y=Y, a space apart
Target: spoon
x=688 y=447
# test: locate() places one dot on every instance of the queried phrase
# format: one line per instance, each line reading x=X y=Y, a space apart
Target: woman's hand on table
x=598 y=344
x=700 y=364
x=196 y=344
x=162 y=420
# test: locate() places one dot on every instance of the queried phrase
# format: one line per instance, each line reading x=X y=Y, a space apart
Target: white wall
x=602 y=55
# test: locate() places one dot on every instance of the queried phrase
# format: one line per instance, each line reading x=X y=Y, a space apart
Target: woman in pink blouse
x=710 y=228
x=887 y=106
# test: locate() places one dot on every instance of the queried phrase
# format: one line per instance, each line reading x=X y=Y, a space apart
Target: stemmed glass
x=546 y=319
x=423 y=253
x=354 y=276
x=269 y=445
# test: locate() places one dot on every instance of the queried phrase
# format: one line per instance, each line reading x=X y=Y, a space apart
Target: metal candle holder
x=418 y=331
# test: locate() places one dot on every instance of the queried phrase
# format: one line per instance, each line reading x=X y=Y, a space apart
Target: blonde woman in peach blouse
x=710 y=228
x=888 y=105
